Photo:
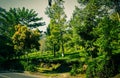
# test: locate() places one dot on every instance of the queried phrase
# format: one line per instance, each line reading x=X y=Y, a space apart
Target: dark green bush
x=91 y=70
x=73 y=71
x=119 y=68
x=100 y=68
x=28 y=66
x=76 y=69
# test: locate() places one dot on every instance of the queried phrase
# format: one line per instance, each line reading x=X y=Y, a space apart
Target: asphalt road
x=16 y=75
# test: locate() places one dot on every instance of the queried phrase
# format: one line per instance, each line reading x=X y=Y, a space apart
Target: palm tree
x=26 y=17
x=2 y=11
x=21 y=16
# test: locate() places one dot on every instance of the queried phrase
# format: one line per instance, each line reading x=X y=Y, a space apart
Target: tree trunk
x=54 y=50
x=62 y=50
x=62 y=44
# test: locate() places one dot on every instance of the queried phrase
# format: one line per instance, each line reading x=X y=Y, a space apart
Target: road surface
x=16 y=75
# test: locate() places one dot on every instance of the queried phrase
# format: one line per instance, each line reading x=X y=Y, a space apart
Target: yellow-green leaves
x=25 y=38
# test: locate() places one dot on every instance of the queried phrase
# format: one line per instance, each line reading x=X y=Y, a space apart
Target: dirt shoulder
x=46 y=75
x=53 y=75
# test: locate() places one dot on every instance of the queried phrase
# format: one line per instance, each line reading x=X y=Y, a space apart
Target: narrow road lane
x=16 y=75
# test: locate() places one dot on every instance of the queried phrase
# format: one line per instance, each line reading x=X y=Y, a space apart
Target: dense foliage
x=15 y=36
x=56 y=27
x=98 y=25
x=89 y=41
x=25 y=39
x=94 y=32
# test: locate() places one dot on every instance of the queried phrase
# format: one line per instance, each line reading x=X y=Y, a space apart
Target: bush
x=100 y=68
x=28 y=66
x=24 y=64
x=91 y=70
x=2 y=59
x=119 y=68
x=75 y=70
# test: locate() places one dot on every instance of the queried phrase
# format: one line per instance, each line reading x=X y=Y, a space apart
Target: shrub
x=24 y=64
x=31 y=68
x=76 y=69
x=73 y=71
x=28 y=66
x=119 y=68
x=100 y=67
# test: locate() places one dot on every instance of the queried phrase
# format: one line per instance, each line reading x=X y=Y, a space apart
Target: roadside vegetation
x=87 y=45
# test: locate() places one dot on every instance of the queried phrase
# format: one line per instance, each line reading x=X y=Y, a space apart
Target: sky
x=39 y=6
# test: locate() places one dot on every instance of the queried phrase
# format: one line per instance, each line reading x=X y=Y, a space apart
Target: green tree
x=111 y=4
x=83 y=22
x=108 y=45
x=6 y=48
x=57 y=24
x=86 y=25
x=2 y=27
x=21 y=16
x=26 y=17
x=25 y=39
